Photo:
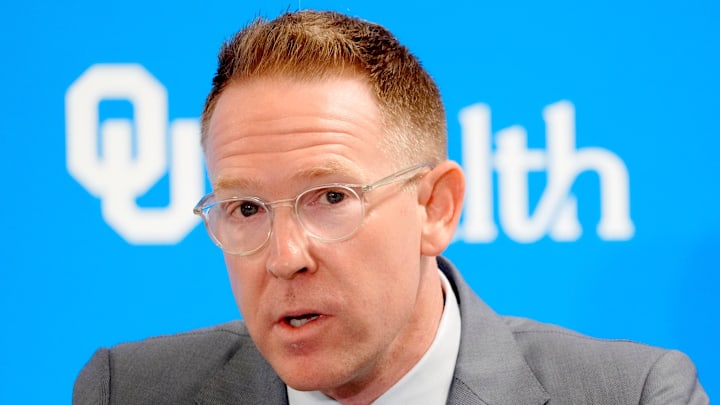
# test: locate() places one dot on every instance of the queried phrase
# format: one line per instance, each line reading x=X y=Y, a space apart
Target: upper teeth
x=297 y=322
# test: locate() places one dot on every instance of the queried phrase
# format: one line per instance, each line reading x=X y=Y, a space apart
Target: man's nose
x=288 y=245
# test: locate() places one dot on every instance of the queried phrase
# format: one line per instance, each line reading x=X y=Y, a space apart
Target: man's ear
x=441 y=194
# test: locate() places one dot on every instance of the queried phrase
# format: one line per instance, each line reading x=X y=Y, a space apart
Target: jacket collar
x=490 y=368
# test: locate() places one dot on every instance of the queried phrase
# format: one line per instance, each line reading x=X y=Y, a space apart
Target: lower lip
x=305 y=332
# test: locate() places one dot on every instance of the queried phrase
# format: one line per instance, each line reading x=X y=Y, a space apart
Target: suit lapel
x=490 y=368
x=246 y=378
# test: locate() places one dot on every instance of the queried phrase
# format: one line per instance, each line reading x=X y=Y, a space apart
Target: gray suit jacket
x=502 y=360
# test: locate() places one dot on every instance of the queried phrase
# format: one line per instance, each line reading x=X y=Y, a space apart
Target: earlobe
x=441 y=196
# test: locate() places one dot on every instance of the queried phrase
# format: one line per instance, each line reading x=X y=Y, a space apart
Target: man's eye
x=246 y=209
x=334 y=196
x=240 y=209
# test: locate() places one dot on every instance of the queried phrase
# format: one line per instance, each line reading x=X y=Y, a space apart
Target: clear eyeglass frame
x=206 y=204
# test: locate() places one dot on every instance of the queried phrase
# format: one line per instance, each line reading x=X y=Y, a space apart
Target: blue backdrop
x=589 y=131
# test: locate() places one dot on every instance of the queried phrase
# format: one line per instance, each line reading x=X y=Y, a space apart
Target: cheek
x=394 y=233
x=244 y=281
x=389 y=254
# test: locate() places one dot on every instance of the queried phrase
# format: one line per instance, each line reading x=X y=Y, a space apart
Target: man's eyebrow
x=325 y=170
x=235 y=183
x=305 y=175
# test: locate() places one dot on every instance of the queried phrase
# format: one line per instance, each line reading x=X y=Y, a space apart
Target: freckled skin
x=378 y=297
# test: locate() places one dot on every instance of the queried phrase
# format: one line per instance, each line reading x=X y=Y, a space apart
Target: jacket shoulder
x=569 y=364
x=162 y=369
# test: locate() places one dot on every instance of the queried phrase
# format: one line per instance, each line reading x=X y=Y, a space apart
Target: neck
x=402 y=355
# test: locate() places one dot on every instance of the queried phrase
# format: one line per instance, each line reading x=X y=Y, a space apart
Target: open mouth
x=298 y=321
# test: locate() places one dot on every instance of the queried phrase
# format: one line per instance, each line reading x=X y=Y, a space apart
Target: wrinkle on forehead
x=248 y=100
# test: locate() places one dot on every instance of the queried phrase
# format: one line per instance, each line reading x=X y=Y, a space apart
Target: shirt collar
x=429 y=381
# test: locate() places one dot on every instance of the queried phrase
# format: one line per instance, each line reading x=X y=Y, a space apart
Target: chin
x=311 y=381
x=304 y=377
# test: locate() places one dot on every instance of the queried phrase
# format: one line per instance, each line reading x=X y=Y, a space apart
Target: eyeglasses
x=330 y=212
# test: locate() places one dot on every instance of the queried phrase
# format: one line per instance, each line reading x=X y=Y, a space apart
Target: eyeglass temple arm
x=397 y=176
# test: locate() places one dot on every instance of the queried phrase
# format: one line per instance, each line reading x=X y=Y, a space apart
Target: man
x=332 y=200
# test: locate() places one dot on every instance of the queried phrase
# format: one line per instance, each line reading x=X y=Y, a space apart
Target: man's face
x=367 y=297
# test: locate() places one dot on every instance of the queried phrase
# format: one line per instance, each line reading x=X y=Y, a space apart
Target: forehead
x=268 y=130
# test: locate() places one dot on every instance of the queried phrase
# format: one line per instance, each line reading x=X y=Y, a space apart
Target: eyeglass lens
x=327 y=213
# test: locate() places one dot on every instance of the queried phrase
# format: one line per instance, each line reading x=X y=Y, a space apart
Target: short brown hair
x=316 y=44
